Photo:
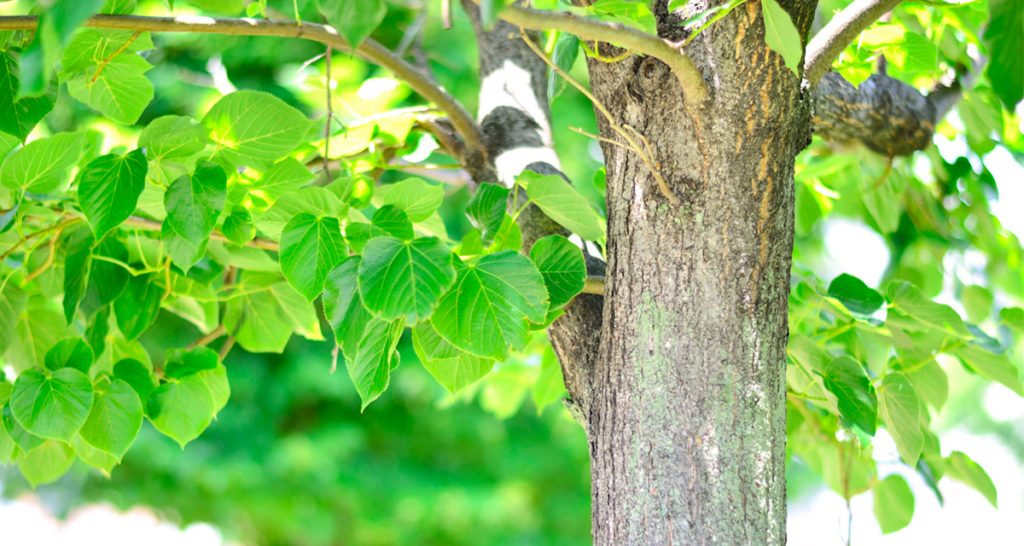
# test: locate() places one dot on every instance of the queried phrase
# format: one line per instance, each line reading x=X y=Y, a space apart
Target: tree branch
x=640 y=42
x=885 y=114
x=369 y=50
x=840 y=31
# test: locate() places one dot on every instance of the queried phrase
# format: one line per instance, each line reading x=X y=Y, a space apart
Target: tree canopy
x=184 y=198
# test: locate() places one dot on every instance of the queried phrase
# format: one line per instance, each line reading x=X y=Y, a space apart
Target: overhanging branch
x=840 y=31
x=369 y=50
x=640 y=42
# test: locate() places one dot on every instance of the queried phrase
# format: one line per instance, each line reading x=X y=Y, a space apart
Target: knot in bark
x=650 y=74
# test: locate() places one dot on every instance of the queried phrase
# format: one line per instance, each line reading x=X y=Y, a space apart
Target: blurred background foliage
x=291 y=460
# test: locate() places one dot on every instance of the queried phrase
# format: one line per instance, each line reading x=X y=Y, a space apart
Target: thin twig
x=103 y=64
x=50 y=257
x=153 y=225
x=226 y=348
x=839 y=32
x=330 y=117
x=594 y=285
x=596 y=54
x=630 y=38
x=30 y=236
x=599 y=137
x=205 y=340
x=446 y=14
x=324 y=34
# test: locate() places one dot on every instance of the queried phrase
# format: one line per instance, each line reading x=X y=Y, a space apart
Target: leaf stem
x=103 y=64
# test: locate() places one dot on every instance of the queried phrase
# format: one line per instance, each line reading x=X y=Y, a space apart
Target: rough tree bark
x=686 y=410
x=678 y=372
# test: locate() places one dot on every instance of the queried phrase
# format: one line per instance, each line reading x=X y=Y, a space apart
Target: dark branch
x=884 y=114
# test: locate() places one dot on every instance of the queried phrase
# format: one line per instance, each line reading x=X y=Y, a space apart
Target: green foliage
x=145 y=211
x=354 y=19
x=109 y=188
x=894 y=503
x=560 y=201
x=781 y=34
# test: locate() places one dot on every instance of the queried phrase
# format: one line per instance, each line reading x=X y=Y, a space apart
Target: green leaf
x=977 y=302
x=416 y=197
x=310 y=248
x=1013 y=317
x=12 y=303
x=354 y=19
x=931 y=384
x=173 y=137
x=42 y=165
x=24 y=439
x=1005 y=41
x=489 y=11
x=899 y=408
x=90 y=47
x=69 y=353
x=46 y=463
x=314 y=200
x=368 y=350
x=193 y=205
x=563 y=204
x=93 y=456
x=137 y=308
x=283 y=177
x=56 y=25
x=858 y=297
x=119 y=89
x=109 y=188
x=137 y=375
x=34 y=337
x=264 y=317
x=858 y=404
x=486 y=210
x=115 y=419
x=359 y=233
x=19 y=115
x=561 y=264
x=997 y=367
x=97 y=331
x=567 y=48
x=182 y=364
x=255 y=128
x=961 y=468
x=216 y=382
x=395 y=221
x=550 y=385
x=77 y=263
x=781 y=34
x=181 y=409
x=452 y=367
x=491 y=304
x=893 y=503
x=370 y=368
x=107 y=280
x=343 y=307
x=238 y=226
x=404 y=278
x=53 y=405
x=907 y=298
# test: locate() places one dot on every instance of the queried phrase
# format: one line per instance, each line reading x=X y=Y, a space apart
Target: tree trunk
x=685 y=404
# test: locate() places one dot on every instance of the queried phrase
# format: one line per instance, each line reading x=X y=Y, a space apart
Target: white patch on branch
x=512 y=86
x=512 y=162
